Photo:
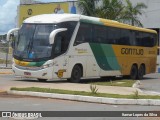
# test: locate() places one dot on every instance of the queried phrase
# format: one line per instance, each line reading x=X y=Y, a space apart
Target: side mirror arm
x=11 y=31
x=53 y=34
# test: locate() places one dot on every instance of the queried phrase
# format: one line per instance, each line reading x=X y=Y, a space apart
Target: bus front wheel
x=76 y=74
x=134 y=72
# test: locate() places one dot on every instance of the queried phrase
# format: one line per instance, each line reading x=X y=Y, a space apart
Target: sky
x=8 y=13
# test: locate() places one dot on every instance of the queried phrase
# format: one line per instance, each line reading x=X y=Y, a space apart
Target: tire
x=141 y=72
x=126 y=77
x=134 y=72
x=76 y=74
x=42 y=80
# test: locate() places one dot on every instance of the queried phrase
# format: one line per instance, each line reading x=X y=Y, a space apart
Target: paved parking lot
x=150 y=83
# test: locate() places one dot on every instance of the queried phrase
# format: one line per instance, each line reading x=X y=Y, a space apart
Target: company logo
x=132 y=51
x=29 y=11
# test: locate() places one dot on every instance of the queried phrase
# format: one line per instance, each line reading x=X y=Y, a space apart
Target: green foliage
x=120 y=83
x=3 y=47
x=110 y=9
x=87 y=7
x=130 y=13
x=59 y=91
x=93 y=89
x=113 y=9
x=136 y=95
x=2 y=61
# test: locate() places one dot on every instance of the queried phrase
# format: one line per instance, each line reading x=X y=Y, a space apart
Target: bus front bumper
x=46 y=73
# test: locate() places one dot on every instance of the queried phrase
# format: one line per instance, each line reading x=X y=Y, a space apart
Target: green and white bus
x=72 y=47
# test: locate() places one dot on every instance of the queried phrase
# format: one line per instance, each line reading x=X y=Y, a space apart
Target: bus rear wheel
x=134 y=72
x=141 y=72
x=42 y=80
x=76 y=74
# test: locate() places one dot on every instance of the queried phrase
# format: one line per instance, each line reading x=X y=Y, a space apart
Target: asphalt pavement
x=7 y=80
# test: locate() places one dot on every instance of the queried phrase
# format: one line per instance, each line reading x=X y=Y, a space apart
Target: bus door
x=61 y=60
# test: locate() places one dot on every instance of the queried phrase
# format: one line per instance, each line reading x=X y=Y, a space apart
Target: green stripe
x=36 y=64
x=91 y=22
x=105 y=56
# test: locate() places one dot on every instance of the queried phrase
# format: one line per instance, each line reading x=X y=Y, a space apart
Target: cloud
x=8 y=15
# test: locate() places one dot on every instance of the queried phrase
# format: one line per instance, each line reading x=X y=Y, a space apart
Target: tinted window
x=132 y=37
x=124 y=37
x=62 y=39
x=84 y=34
x=68 y=34
x=145 y=39
x=113 y=35
x=99 y=34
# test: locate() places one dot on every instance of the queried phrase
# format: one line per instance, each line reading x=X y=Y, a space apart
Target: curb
x=1 y=73
x=5 y=67
x=1 y=91
x=81 y=98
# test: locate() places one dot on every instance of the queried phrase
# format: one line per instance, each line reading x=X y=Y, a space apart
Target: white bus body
x=50 y=47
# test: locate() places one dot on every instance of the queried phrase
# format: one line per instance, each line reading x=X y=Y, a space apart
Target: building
x=30 y=8
x=23 y=2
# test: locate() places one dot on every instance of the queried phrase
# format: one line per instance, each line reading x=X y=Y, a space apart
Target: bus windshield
x=33 y=42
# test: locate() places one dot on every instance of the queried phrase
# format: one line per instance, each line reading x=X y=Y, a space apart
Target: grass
x=3 y=47
x=48 y=90
x=121 y=83
x=2 y=61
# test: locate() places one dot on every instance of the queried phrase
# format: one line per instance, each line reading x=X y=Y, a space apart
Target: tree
x=131 y=13
x=110 y=9
x=113 y=10
x=87 y=7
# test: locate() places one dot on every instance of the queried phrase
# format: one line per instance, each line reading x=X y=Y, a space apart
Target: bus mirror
x=53 y=34
x=9 y=34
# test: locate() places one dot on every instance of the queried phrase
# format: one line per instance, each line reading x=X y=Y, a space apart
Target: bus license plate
x=27 y=73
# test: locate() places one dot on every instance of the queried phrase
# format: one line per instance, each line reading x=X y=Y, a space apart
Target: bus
x=75 y=47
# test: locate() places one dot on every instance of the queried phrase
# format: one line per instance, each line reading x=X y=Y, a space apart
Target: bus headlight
x=47 y=65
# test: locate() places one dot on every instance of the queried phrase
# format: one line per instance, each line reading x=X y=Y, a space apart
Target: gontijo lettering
x=132 y=51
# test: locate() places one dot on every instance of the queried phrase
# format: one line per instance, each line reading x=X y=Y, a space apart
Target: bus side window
x=113 y=35
x=132 y=38
x=84 y=34
x=99 y=35
x=124 y=37
x=58 y=45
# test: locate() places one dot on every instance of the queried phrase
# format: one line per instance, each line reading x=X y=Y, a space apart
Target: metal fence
x=5 y=55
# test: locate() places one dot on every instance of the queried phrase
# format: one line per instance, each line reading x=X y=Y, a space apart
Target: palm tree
x=113 y=9
x=87 y=7
x=110 y=9
x=131 y=13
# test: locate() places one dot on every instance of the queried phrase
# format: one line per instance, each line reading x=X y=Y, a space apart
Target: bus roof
x=57 y=18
